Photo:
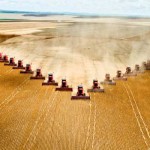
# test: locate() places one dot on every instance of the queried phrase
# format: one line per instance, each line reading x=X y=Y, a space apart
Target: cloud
x=117 y=7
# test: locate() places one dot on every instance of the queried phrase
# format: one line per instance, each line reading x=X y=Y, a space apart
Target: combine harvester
x=108 y=80
x=20 y=65
x=27 y=70
x=4 y=59
x=138 y=69
x=64 y=86
x=38 y=75
x=119 y=76
x=11 y=62
x=95 y=87
x=146 y=65
x=50 y=81
x=129 y=73
x=80 y=94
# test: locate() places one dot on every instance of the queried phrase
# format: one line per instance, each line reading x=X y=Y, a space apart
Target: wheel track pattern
x=52 y=121
x=89 y=126
x=138 y=116
x=30 y=99
x=32 y=137
x=94 y=125
x=13 y=94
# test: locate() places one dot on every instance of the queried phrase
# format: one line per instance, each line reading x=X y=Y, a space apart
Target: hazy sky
x=117 y=7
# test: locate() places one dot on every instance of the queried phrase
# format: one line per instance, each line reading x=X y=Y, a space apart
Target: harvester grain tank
x=80 y=94
x=38 y=75
x=129 y=72
x=119 y=76
x=108 y=80
x=11 y=62
x=27 y=70
x=50 y=81
x=95 y=87
x=64 y=86
x=20 y=65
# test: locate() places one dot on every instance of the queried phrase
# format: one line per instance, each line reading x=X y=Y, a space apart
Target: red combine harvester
x=138 y=69
x=119 y=76
x=129 y=72
x=108 y=80
x=80 y=94
x=50 y=81
x=95 y=87
x=20 y=65
x=38 y=75
x=64 y=86
x=27 y=70
x=11 y=62
x=4 y=59
x=148 y=65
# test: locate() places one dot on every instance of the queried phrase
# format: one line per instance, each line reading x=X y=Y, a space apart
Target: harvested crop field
x=36 y=117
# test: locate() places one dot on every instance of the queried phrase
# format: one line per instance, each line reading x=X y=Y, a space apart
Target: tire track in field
x=13 y=93
x=137 y=113
x=89 y=125
x=33 y=134
x=16 y=139
x=24 y=113
x=52 y=120
x=94 y=125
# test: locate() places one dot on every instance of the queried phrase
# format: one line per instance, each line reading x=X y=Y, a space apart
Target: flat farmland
x=37 y=117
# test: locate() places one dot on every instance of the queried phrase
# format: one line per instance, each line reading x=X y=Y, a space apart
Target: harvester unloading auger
x=64 y=86
x=108 y=80
x=80 y=94
x=11 y=62
x=19 y=65
x=27 y=70
x=119 y=76
x=95 y=87
x=50 y=81
x=38 y=75
x=129 y=72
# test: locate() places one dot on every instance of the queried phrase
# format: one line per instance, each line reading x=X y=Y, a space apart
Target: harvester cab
x=38 y=75
x=64 y=86
x=11 y=62
x=119 y=76
x=95 y=84
x=129 y=72
x=50 y=81
x=108 y=80
x=95 y=87
x=80 y=94
x=27 y=70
